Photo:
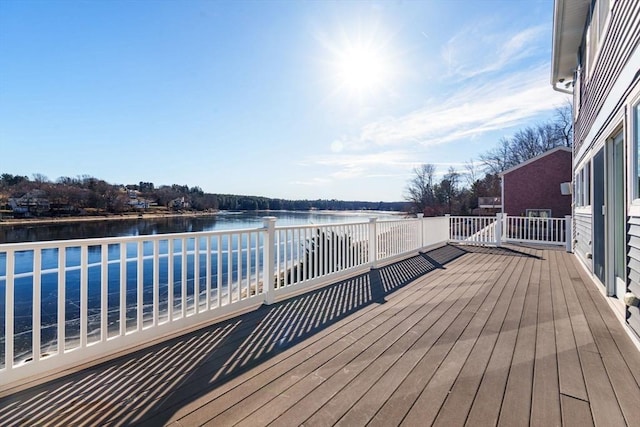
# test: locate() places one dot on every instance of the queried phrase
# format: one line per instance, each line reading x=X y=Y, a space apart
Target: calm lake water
x=136 y=227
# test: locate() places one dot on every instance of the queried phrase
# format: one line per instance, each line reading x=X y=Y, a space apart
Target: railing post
x=498 y=229
x=268 y=268
x=421 y=228
x=448 y=216
x=505 y=227
x=373 y=243
x=9 y=323
x=568 y=233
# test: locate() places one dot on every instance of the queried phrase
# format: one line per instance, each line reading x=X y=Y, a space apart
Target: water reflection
x=180 y=224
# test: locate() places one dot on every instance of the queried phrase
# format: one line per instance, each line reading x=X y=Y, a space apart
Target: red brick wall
x=537 y=186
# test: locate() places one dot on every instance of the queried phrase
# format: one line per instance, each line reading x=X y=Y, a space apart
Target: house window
x=603 y=8
x=583 y=186
x=578 y=188
x=599 y=13
x=539 y=213
x=586 y=187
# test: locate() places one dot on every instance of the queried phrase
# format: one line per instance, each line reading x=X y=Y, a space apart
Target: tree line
x=457 y=193
x=86 y=194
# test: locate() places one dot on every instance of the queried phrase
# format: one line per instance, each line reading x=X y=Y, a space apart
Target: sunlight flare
x=361 y=63
x=362 y=68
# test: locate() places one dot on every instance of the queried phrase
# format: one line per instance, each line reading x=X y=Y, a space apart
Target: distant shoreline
x=97 y=218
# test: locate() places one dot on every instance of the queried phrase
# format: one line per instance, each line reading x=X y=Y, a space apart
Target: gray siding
x=621 y=39
x=634 y=255
x=582 y=234
x=633 y=264
x=633 y=319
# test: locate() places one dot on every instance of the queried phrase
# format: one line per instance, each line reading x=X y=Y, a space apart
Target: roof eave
x=569 y=18
x=536 y=158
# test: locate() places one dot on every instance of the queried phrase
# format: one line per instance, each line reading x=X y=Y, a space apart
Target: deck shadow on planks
x=504 y=251
x=149 y=385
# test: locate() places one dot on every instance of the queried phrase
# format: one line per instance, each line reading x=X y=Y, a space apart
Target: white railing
x=502 y=228
x=312 y=254
x=77 y=301
x=480 y=230
x=549 y=231
x=70 y=301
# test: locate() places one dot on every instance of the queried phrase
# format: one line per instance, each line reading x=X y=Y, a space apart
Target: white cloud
x=478 y=50
x=363 y=160
x=471 y=111
x=313 y=182
x=337 y=146
x=346 y=166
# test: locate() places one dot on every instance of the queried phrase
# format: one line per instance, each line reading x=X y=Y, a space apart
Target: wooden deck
x=461 y=335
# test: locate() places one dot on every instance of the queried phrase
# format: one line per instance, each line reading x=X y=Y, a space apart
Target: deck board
x=461 y=396
x=367 y=406
x=398 y=404
x=545 y=404
x=570 y=375
x=426 y=407
x=516 y=405
x=460 y=335
x=486 y=405
x=338 y=406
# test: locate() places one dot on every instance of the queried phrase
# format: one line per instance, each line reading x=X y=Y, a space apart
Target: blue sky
x=288 y=99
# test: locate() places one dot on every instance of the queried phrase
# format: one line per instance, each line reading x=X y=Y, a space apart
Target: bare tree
x=497 y=159
x=564 y=123
x=472 y=173
x=419 y=190
x=526 y=144
x=530 y=142
x=40 y=178
x=448 y=189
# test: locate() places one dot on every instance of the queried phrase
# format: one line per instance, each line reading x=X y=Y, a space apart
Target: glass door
x=598 y=237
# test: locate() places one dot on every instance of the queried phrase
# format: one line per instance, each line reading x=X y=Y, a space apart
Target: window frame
x=529 y=211
x=595 y=33
x=578 y=188
x=586 y=189
x=634 y=130
x=632 y=133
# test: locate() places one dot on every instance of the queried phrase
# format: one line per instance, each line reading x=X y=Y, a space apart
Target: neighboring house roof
x=569 y=18
x=535 y=159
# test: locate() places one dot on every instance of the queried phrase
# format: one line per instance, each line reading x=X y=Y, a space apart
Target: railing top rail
x=342 y=224
x=123 y=239
x=491 y=217
x=536 y=217
x=311 y=226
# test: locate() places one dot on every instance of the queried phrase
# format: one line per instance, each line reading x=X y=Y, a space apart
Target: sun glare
x=361 y=65
x=361 y=69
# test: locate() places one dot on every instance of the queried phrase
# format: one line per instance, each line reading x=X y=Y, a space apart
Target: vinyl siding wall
x=633 y=270
x=603 y=91
x=621 y=39
x=583 y=239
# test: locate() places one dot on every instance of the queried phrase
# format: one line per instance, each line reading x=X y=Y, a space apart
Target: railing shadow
x=503 y=250
x=150 y=385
